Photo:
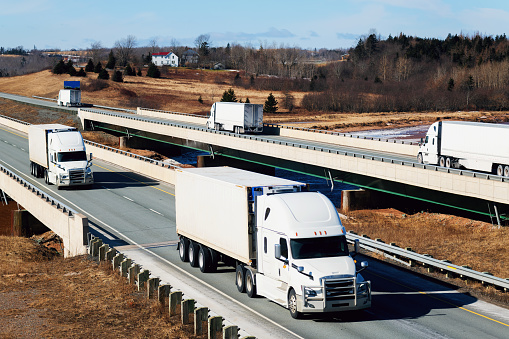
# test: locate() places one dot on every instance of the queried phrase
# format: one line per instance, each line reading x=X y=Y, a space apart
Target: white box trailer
x=57 y=153
x=236 y=117
x=69 y=97
x=285 y=243
x=472 y=145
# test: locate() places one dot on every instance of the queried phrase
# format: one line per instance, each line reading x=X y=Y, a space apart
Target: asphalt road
x=137 y=214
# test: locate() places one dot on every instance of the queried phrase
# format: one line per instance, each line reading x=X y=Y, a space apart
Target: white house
x=165 y=58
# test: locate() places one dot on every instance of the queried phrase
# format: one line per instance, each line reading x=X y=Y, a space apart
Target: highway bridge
x=135 y=212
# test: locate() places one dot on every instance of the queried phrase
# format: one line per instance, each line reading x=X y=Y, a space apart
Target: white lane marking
x=121 y=235
x=22 y=149
x=106 y=188
x=97 y=229
x=128 y=198
x=155 y=211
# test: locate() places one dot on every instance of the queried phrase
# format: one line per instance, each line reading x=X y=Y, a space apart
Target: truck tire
x=250 y=284
x=46 y=178
x=506 y=171
x=240 y=278
x=214 y=259
x=292 y=305
x=204 y=259
x=500 y=170
x=420 y=160
x=183 y=244
x=193 y=254
x=448 y=162
x=441 y=161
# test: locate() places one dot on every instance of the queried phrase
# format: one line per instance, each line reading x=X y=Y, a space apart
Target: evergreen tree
x=59 y=68
x=98 y=68
x=69 y=68
x=103 y=74
x=229 y=96
x=129 y=70
x=90 y=66
x=111 y=61
x=247 y=100
x=270 y=104
x=200 y=100
x=153 y=71
x=81 y=73
x=117 y=76
x=139 y=72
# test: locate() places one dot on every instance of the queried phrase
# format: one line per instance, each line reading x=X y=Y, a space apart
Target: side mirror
x=277 y=251
x=356 y=246
x=364 y=264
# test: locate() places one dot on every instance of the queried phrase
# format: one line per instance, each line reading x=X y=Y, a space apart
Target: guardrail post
x=215 y=327
x=102 y=252
x=117 y=260
x=201 y=315
x=175 y=300
x=133 y=272
x=163 y=292
x=231 y=332
x=142 y=279
x=124 y=266
x=94 y=247
x=152 y=285
x=187 y=308
x=110 y=254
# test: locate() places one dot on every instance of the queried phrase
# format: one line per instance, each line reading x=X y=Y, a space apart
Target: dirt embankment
x=47 y=296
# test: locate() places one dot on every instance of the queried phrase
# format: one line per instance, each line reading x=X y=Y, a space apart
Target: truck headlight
x=362 y=288
x=309 y=292
x=64 y=176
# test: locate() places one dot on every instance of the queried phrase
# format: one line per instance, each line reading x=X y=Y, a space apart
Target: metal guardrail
x=132 y=155
x=38 y=192
x=266 y=139
x=14 y=119
x=443 y=265
x=43 y=98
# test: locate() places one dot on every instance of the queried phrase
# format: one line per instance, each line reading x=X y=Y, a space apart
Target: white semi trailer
x=236 y=117
x=472 y=145
x=70 y=95
x=285 y=243
x=57 y=154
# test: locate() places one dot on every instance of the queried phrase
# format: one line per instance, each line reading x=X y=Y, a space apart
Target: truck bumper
x=318 y=306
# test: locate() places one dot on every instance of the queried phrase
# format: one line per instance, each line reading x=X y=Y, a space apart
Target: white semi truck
x=236 y=117
x=57 y=154
x=285 y=243
x=70 y=95
x=472 y=145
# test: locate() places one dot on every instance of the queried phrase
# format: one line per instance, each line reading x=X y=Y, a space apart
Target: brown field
x=180 y=89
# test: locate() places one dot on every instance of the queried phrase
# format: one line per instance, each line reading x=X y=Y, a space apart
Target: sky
x=331 y=24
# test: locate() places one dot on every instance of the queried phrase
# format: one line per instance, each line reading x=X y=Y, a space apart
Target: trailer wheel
x=214 y=258
x=240 y=278
x=250 y=284
x=183 y=244
x=193 y=254
x=292 y=305
x=441 y=161
x=204 y=259
x=506 y=171
x=500 y=170
x=420 y=160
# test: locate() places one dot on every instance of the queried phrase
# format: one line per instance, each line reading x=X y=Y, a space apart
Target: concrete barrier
x=71 y=227
x=176 y=116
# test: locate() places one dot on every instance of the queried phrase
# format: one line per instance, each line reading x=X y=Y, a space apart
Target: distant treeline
x=412 y=74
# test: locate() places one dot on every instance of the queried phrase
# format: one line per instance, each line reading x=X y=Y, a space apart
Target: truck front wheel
x=183 y=249
x=292 y=305
x=420 y=159
x=240 y=278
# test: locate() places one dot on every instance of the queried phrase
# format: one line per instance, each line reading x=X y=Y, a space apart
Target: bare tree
x=95 y=51
x=154 y=47
x=125 y=49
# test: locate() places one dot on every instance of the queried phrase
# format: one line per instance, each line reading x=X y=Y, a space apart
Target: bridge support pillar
x=25 y=224
x=355 y=199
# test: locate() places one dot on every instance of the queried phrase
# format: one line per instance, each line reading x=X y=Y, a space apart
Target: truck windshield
x=72 y=156
x=310 y=248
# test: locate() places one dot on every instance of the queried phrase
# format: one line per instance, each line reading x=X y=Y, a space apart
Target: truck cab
x=429 y=148
x=303 y=258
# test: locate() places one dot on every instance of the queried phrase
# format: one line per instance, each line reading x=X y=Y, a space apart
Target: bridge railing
x=410 y=258
x=267 y=139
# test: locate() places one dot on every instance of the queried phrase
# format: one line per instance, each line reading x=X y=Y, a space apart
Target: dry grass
x=67 y=298
x=180 y=89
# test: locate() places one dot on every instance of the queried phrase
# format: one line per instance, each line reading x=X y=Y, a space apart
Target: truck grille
x=339 y=289
x=76 y=176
